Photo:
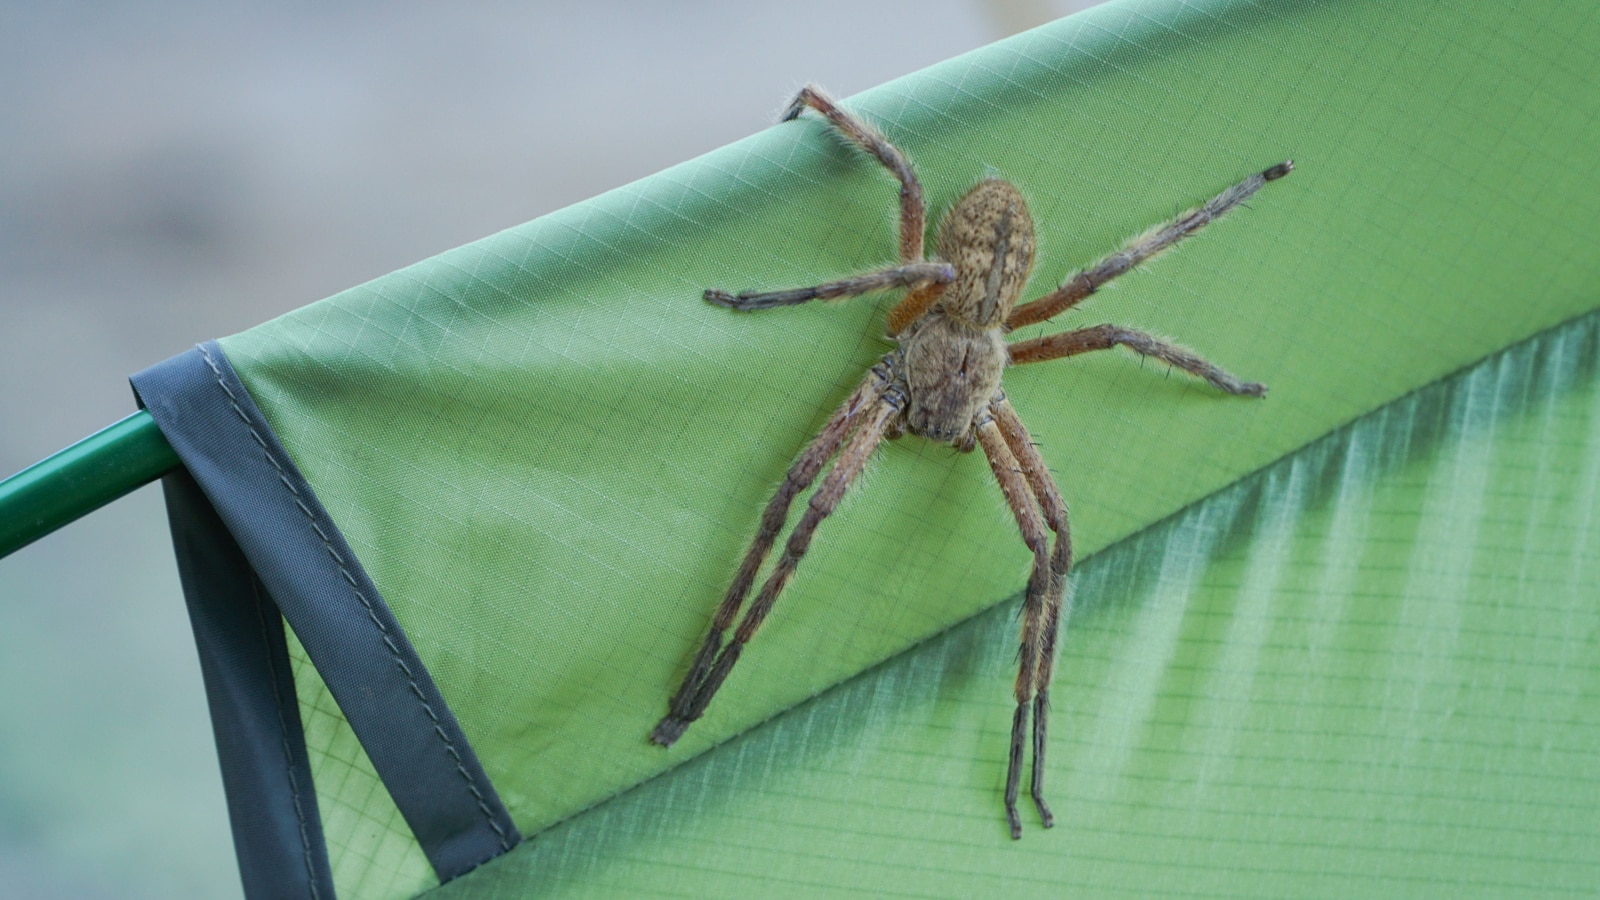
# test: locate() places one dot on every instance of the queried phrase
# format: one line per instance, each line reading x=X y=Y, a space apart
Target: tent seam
x=295 y=791
x=366 y=603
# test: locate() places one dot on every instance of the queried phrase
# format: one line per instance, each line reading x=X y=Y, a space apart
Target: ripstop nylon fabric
x=1368 y=670
x=549 y=453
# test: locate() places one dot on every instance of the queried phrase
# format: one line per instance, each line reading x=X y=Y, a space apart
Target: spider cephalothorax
x=943 y=383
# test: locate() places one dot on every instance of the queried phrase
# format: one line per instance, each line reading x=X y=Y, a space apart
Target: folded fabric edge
x=244 y=660
x=252 y=538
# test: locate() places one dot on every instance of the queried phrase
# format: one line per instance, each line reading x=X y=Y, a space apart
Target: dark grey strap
x=272 y=805
x=381 y=686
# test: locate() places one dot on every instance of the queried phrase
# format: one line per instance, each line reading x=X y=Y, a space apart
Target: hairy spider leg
x=851 y=462
x=1104 y=337
x=1078 y=288
x=913 y=212
x=914 y=306
x=1051 y=629
x=872 y=410
x=1034 y=472
x=1042 y=582
x=913 y=275
x=1054 y=507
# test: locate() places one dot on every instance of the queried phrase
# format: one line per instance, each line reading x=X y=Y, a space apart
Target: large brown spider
x=943 y=383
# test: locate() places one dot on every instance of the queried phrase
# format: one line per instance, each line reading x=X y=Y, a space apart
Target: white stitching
x=288 y=752
x=449 y=746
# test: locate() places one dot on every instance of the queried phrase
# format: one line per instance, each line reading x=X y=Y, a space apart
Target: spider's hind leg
x=913 y=214
x=1139 y=250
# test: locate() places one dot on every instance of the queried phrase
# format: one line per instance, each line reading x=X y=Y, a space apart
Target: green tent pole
x=82 y=478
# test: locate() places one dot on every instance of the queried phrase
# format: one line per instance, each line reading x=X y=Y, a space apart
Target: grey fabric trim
x=272 y=803
x=309 y=571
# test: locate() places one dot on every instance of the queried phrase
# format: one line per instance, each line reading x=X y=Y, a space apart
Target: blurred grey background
x=176 y=171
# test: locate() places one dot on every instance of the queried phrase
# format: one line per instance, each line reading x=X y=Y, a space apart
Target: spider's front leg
x=869 y=412
x=1041 y=605
x=1054 y=507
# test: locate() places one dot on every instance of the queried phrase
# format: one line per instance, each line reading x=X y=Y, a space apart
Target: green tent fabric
x=1362 y=664
x=1367 y=670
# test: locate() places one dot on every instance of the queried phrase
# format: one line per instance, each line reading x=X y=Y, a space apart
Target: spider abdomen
x=952 y=372
x=988 y=237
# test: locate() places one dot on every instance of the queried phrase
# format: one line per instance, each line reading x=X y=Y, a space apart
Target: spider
x=943 y=383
